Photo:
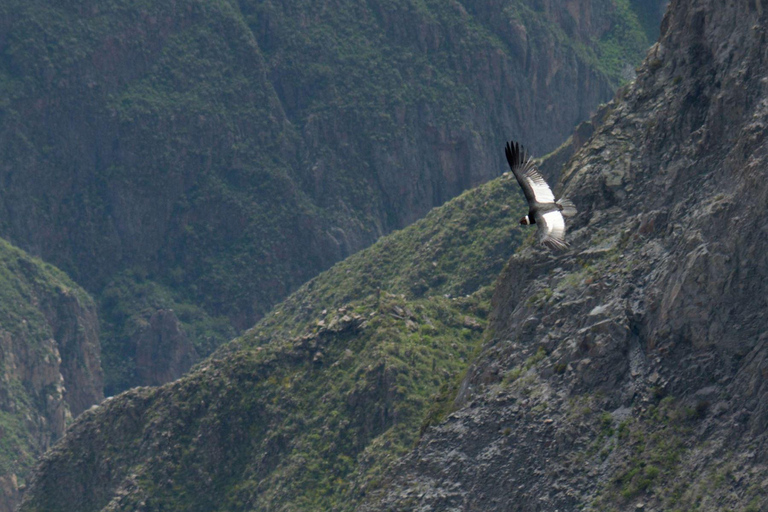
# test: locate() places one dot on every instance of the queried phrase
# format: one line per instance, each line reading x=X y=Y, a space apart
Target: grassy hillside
x=209 y=157
x=308 y=408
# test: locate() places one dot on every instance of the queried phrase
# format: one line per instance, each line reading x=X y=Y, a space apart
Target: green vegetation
x=650 y=449
x=378 y=383
x=126 y=304
x=455 y=250
x=613 y=51
x=624 y=44
x=415 y=305
x=327 y=409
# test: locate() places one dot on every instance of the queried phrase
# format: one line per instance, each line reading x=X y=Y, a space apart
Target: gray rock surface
x=163 y=350
x=50 y=367
x=641 y=384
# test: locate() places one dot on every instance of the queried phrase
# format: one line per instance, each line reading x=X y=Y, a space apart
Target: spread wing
x=552 y=229
x=530 y=179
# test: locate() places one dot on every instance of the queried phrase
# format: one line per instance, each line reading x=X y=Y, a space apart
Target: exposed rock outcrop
x=49 y=362
x=163 y=351
x=628 y=373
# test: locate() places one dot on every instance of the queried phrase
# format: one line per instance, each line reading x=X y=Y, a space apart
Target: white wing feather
x=552 y=229
x=539 y=186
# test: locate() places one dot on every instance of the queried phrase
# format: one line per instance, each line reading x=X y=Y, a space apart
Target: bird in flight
x=543 y=209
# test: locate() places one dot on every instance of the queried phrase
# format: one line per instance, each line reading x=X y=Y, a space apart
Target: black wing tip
x=515 y=154
x=509 y=151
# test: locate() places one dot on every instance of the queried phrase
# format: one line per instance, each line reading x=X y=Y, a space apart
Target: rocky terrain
x=190 y=163
x=629 y=373
x=201 y=160
x=49 y=362
x=626 y=373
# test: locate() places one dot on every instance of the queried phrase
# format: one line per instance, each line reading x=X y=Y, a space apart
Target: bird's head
x=525 y=221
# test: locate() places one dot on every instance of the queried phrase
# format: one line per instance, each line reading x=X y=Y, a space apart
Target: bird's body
x=543 y=209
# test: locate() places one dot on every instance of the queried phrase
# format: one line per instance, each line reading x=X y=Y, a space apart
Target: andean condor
x=543 y=209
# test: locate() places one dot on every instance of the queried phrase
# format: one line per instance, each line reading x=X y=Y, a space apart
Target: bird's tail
x=567 y=208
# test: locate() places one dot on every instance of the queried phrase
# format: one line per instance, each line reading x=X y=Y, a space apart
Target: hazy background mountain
x=191 y=163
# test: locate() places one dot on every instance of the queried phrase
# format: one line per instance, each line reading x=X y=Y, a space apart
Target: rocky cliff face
x=629 y=372
x=49 y=362
x=163 y=350
x=226 y=152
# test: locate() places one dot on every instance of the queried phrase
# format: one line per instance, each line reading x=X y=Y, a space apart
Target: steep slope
x=49 y=362
x=629 y=373
x=204 y=159
x=307 y=410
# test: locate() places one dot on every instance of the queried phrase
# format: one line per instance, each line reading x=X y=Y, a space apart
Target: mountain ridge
x=208 y=158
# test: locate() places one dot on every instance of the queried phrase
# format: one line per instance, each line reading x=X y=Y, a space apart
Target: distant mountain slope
x=49 y=362
x=307 y=409
x=629 y=373
x=204 y=159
